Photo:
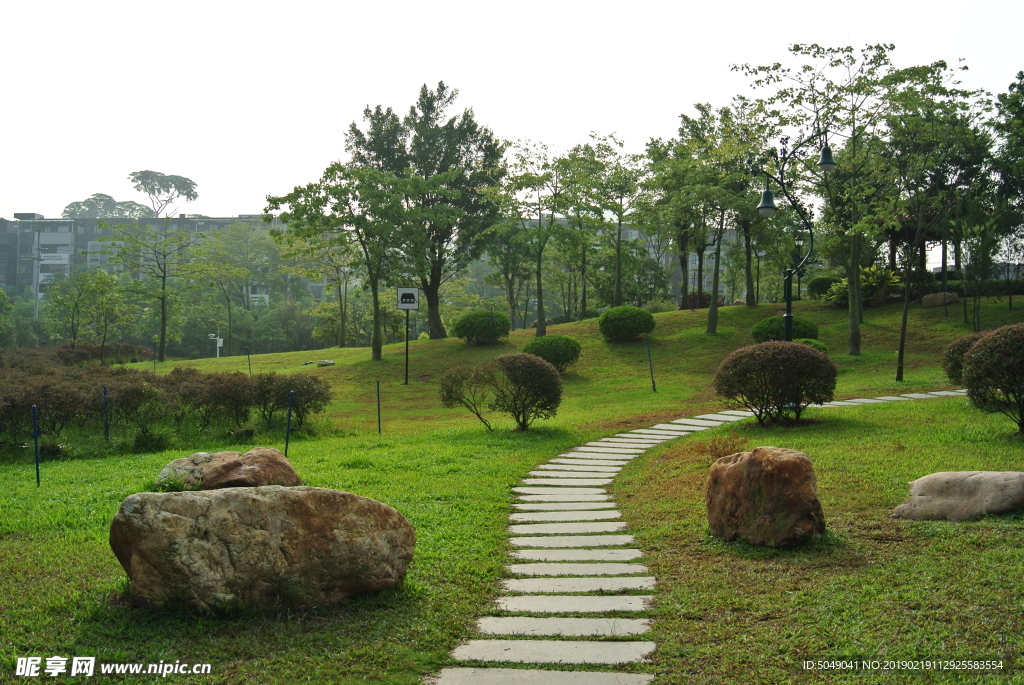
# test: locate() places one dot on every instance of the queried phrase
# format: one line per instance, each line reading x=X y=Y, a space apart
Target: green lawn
x=726 y=613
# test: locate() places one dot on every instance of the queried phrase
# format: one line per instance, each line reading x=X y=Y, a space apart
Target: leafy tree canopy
x=101 y=206
x=162 y=189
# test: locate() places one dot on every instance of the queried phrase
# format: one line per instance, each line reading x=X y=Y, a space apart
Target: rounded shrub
x=776 y=380
x=526 y=388
x=626 y=323
x=816 y=344
x=560 y=351
x=819 y=285
x=953 y=360
x=698 y=300
x=774 y=328
x=993 y=372
x=482 y=328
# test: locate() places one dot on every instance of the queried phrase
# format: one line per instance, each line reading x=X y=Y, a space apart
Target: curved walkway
x=576 y=572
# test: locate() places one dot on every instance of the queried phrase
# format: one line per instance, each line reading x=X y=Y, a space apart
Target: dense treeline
x=436 y=200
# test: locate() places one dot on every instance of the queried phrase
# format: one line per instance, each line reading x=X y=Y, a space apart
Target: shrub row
x=774 y=328
x=71 y=398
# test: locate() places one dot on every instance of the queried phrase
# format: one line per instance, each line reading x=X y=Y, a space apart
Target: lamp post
x=799 y=242
x=767 y=208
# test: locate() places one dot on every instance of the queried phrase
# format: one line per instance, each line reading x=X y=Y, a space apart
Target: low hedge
x=561 y=351
x=774 y=328
x=482 y=328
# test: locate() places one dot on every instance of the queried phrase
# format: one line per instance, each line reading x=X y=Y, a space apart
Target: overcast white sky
x=253 y=98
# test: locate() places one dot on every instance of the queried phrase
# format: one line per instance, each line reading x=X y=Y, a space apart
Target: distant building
x=34 y=249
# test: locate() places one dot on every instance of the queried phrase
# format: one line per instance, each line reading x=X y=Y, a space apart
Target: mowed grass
x=874 y=588
x=61 y=587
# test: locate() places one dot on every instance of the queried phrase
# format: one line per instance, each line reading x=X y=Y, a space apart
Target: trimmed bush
x=774 y=328
x=625 y=324
x=482 y=328
x=560 y=351
x=527 y=388
x=819 y=285
x=993 y=373
x=524 y=386
x=953 y=360
x=776 y=380
x=699 y=300
x=816 y=344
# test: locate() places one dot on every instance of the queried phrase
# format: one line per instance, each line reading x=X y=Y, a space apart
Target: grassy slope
x=451 y=479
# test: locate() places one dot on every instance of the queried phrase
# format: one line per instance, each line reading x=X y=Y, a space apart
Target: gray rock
x=205 y=471
x=260 y=547
x=963 y=495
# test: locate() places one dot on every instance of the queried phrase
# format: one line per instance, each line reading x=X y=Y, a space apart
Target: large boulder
x=963 y=495
x=936 y=299
x=766 y=497
x=258 y=547
x=205 y=471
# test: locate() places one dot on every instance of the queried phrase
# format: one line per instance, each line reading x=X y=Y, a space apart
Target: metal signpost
x=408 y=299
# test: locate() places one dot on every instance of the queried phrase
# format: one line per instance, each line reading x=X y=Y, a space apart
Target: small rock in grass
x=205 y=471
x=766 y=497
x=963 y=495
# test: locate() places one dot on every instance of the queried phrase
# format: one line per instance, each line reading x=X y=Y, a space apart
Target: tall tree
x=161 y=257
x=162 y=189
x=106 y=311
x=100 y=206
x=378 y=207
x=618 y=189
x=428 y=143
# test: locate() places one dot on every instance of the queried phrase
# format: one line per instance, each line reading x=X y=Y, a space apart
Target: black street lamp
x=767 y=208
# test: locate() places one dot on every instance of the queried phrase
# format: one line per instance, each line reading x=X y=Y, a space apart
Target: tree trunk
x=712 y=328
x=682 y=241
x=853 y=285
x=375 y=338
x=748 y=265
x=700 y=273
x=341 y=316
x=903 y=323
x=163 y=318
x=583 y=284
x=617 y=294
x=432 y=294
x=542 y=327
x=229 y=327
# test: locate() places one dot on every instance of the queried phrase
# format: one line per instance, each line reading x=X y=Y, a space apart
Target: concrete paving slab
x=610 y=450
x=891 y=398
x=557 y=481
x=679 y=427
x=579 y=467
x=919 y=396
x=577 y=554
x=589 y=473
x=563 y=506
x=574 y=604
x=572 y=541
x=563 y=498
x=610 y=569
x=697 y=422
x=524 y=676
x=865 y=400
x=720 y=417
x=590 y=462
x=737 y=412
x=839 y=404
x=566 y=528
x=597 y=455
x=535 y=586
x=570 y=627
x=649 y=436
x=599 y=515
x=521 y=490
x=553 y=651
x=636 y=443
x=668 y=435
x=945 y=393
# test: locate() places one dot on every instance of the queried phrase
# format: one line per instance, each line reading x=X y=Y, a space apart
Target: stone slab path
x=573 y=567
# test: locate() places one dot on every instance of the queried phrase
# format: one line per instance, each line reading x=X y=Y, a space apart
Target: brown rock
x=963 y=495
x=935 y=299
x=258 y=547
x=766 y=497
x=205 y=471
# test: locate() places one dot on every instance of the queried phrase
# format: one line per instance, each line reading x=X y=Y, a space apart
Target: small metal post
x=248 y=359
x=106 y=416
x=407 y=347
x=650 y=363
x=787 y=318
x=35 y=437
x=154 y=358
x=378 y=408
x=288 y=426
